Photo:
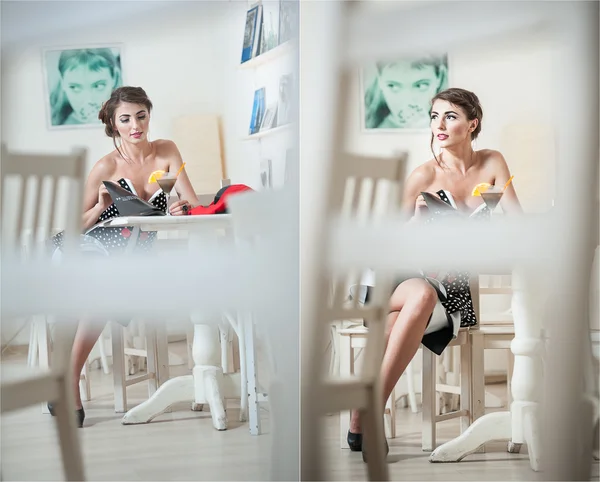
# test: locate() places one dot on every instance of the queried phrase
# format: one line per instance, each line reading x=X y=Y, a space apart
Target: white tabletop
x=158 y=223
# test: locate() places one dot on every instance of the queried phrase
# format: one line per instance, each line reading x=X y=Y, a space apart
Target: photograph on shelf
x=258 y=110
x=266 y=174
x=78 y=81
x=269 y=118
x=288 y=20
x=284 y=108
x=251 y=44
x=270 y=25
x=395 y=95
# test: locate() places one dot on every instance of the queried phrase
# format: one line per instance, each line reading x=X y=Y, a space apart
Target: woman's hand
x=104 y=199
x=180 y=208
x=420 y=207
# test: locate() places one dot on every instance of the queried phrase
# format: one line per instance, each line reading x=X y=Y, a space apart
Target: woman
x=87 y=77
x=126 y=116
x=398 y=97
x=429 y=309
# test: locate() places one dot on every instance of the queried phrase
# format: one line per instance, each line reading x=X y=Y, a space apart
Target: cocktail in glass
x=166 y=183
x=491 y=197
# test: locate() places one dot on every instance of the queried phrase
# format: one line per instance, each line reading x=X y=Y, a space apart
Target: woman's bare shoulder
x=105 y=166
x=492 y=158
x=424 y=174
x=164 y=146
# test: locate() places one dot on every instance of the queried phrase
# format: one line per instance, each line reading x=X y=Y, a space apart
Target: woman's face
x=449 y=124
x=132 y=122
x=407 y=91
x=86 y=91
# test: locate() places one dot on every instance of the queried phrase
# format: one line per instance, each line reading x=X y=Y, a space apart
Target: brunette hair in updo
x=129 y=95
x=467 y=101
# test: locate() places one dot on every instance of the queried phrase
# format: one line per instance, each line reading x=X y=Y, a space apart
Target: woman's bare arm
x=95 y=197
x=183 y=186
x=510 y=201
x=419 y=180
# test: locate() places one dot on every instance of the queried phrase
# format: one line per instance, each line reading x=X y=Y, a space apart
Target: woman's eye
x=142 y=117
x=74 y=88
x=433 y=117
x=422 y=85
x=124 y=121
x=450 y=117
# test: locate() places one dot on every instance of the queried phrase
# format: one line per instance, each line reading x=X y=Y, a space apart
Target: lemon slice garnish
x=155 y=176
x=481 y=187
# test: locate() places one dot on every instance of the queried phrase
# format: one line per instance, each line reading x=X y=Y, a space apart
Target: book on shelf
x=269 y=118
x=258 y=110
x=284 y=107
x=270 y=26
x=266 y=174
x=252 y=30
x=288 y=20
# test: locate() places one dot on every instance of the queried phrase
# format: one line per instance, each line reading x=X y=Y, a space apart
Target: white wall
x=244 y=155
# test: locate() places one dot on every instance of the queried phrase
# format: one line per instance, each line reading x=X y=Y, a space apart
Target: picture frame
x=269 y=118
x=427 y=75
x=77 y=81
x=266 y=174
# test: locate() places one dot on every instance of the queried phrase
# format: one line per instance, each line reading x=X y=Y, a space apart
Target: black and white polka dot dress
x=455 y=292
x=115 y=240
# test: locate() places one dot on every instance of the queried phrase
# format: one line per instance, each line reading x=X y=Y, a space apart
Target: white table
x=208 y=384
x=521 y=424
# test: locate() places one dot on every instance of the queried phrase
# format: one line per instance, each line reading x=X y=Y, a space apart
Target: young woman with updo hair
x=126 y=119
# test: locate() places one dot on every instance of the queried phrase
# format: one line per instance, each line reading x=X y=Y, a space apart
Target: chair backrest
x=488 y=310
x=30 y=215
x=365 y=189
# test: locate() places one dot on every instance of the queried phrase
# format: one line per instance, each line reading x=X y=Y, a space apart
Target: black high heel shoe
x=355 y=441
x=80 y=412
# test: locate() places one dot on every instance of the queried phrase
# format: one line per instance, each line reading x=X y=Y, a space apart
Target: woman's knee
x=416 y=293
x=425 y=298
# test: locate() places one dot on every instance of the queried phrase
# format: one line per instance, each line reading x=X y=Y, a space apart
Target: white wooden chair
x=361 y=188
x=251 y=224
x=351 y=340
x=155 y=352
x=494 y=331
x=431 y=387
x=593 y=386
x=49 y=383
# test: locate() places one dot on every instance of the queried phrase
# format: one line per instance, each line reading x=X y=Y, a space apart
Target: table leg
x=521 y=424
x=204 y=386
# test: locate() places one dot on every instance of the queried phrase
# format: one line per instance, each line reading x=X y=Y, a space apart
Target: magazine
x=128 y=204
x=442 y=203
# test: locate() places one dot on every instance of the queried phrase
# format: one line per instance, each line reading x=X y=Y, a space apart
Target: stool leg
x=428 y=402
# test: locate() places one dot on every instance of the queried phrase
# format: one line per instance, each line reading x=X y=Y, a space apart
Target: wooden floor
x=182 y=445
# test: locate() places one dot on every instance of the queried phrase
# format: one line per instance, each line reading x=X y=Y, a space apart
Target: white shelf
x=269 y=56
x=268 y=132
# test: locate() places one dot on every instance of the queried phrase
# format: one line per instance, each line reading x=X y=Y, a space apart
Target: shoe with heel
x=354 y=441
x=80 y=413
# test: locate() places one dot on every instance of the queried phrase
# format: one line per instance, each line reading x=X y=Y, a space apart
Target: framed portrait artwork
x=395 y=96
x=78 y=81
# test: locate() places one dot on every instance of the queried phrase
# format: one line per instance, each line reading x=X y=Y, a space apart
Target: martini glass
x=492 y=197
x=166 y=184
